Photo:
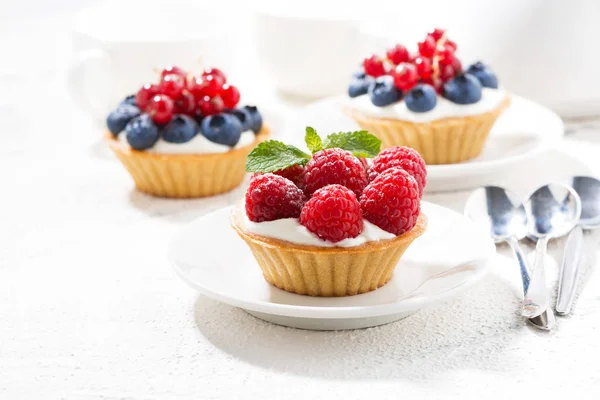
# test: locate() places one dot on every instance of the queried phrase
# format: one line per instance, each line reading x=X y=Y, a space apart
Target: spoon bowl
x=552 y=210
x=588 y=189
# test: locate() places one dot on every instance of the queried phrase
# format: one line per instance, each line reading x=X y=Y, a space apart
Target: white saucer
x=451 y=255
x=523 y=131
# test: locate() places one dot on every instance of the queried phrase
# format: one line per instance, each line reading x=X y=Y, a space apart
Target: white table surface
x=90 y=309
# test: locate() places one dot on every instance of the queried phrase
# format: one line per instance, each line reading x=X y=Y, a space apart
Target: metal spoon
x=552 y=211
x=588 y=189
x=502 y=215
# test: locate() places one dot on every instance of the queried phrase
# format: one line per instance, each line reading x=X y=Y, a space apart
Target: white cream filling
x=490 y=99
x=290 y=229
x=198 y=145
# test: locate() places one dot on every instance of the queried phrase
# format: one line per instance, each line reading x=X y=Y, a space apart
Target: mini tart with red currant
x=427 y=101
x=185 y=136
x=327 y=223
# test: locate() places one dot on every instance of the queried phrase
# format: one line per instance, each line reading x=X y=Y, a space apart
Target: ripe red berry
x=146 y=92
x=270 y=197
x=172 y=85
x=392 y=201
x=404 y=157
x=209 y=85
x=333 y=213
x=424 y=67
x=446 y=55
x=451 y=44
x=398 y=54
x=294 y=173
x=405 y=76
x=437 y=33
x=210 y=105
x=446 y=73
x=185 y=104
x=171 y=69
x=427 y=46
x=374 y=66
x=456 y=65
x=230 y=95
x=214 y=71
x=160 y=109
x=331 y=166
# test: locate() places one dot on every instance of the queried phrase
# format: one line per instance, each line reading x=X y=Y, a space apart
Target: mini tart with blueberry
x=328 y=223
x=185 y=136
x=427 y=101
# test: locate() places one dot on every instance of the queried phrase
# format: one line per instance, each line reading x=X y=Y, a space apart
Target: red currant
x=405 y=76
x=451 y=44
x=456 y=64
x=210 y=106
x=185 y=104
x=427 y=46
x=160 y=109
x=447 y=72
x=209 y=85
x=230 y=95
x=171 y=69
x=424 y=67
x=172 y=85
x=214 y=71
x=413 y=57
x=446 y=55
x=146 y=92
x=398 y=54
x=437 y=33
x=374 y=66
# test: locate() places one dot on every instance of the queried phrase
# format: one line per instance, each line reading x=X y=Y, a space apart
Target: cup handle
x=75 y=80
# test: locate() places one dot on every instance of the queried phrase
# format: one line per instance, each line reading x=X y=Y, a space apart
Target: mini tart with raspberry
x=427 y=100
x=332 y=232
x=185 y=136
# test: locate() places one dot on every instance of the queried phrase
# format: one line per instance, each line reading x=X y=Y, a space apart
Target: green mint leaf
x=313 y=141
x=359 y=143
x=272 y=155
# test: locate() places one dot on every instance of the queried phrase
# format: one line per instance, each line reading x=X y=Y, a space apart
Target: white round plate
x=450 y=256
x=523 y=131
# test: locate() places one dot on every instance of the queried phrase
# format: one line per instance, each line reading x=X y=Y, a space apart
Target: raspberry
x=293 y=173
x=404 y=157
x=270 y=197
x=392 y=201
x=331 y=166
x=333 y=213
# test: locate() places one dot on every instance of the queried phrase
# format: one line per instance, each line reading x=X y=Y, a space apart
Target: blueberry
x=359 y=84
x=180 y=129
x=243 y=116
x=118 y=118
x=360 y=74
x=141 y=132
x=383 y=92
x=486 y=76
x=222 y=128
x=256 y=120
x=129 y=100
x=463 y=89
x=421 y=98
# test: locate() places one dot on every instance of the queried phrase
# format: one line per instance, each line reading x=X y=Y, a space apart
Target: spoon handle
x=525 y=273
x=536 y=297
x=569 y=271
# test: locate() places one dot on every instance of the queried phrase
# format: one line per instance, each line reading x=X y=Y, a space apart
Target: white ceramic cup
x=311 y=55
x=118 y=49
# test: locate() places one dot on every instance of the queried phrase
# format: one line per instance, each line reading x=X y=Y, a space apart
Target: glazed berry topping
x=230 y=95
x=421 y=98
x=334 y=166
x=185 y=104
x=222 y=129
x=447 y=72
x=486 y=76
x=160 y=108
x=171 y=69
x=383 y=92
x=391 y=201
x=333 y=213
x=437 y=33
x=256 y=121
x=120 y=117
x=427 y=46
x=172 y=85
x=424 y=67
x=180 y=129
x=145 y=94
x=405 y=76
x=243 y=116
x=141 y=132
x=398 y=54
x=464 y=89
x=209 y=85
x=446 y=55
x=451 y=44
x=404 y=157
x=210 y=105
x=129 y=100
x=270 y=197
x=359 y=84
x=214 y=71
x=374 y=66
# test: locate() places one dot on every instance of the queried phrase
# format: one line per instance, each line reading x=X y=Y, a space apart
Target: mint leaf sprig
x=273 y=155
